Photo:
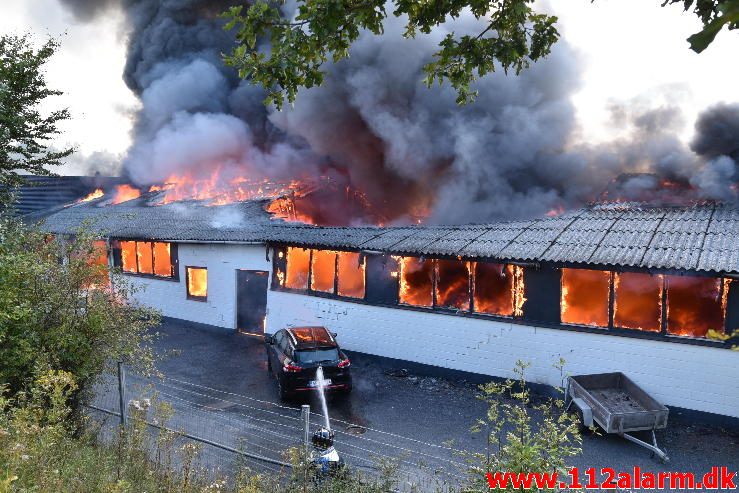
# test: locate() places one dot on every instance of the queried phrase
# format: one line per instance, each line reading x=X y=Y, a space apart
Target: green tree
x=26 y=133
x=61 y=310
x=514 y=36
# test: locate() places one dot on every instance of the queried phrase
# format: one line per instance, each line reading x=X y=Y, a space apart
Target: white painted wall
x=692 y=377
x=222 y=261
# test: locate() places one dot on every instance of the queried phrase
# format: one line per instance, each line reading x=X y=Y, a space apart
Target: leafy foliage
x=324 y=30
x=321 y=30
x=715 y=15
x=59 y=310
x=523 y=436
x=25 y=133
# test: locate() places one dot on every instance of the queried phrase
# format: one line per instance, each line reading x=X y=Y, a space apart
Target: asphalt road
x=219 y=366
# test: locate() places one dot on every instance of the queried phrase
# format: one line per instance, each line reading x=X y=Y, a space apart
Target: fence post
x=122 y=392
x=305 y=414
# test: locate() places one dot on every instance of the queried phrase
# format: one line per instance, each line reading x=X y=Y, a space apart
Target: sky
x=633 y=52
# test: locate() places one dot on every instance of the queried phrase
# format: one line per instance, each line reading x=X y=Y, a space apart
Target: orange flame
x=124 y=193
x=556 y=211
x=94 y=195
x=218 y=190
x=519 y=299
x=637 y=302
x=416 y=284
x=585 y=295
x=197 y=282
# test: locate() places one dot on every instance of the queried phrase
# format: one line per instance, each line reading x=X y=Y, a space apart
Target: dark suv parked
x=294 y=354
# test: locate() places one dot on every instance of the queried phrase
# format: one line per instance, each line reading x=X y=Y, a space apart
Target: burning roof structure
x=700 y=237
x=662 y=279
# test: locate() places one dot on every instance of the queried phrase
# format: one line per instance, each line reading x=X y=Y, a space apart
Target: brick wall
x=692 y=377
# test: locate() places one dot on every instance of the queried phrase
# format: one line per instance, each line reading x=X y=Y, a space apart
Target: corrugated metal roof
x=702 y=237
x=41 y=193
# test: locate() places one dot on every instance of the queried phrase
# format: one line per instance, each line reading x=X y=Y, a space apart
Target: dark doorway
x=251 y=300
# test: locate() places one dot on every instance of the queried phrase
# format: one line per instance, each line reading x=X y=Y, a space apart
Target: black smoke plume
x=374 y=126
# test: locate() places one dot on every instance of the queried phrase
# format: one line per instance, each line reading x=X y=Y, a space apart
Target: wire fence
x=235 y=429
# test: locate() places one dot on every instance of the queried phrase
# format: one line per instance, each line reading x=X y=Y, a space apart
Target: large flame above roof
x=321 y=200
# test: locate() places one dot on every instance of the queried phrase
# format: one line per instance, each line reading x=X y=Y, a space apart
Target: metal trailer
x=617 y=405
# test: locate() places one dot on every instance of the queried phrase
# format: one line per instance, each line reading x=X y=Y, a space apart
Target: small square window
x=197 y=283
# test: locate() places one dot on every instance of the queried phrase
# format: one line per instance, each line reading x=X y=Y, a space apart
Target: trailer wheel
x=576 y=411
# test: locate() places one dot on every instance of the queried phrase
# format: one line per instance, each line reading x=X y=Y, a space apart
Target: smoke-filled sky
x=620 y=93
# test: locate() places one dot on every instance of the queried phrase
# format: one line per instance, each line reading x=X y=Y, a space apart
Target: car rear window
x=316 y=355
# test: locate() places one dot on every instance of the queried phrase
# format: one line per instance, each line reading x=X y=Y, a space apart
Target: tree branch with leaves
x=25 y=132
x=514 y=36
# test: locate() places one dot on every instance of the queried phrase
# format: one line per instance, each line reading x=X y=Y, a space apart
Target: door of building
x=251 y=301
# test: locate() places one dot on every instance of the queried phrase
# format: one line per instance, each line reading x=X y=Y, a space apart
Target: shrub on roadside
x=60 y=310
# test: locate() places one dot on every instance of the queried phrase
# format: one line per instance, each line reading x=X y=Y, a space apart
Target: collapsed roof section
x=698 y=238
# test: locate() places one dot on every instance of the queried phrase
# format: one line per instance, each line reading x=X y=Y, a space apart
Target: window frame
x=520 y=315
x=282 y=265
x=187 y=283
x=173 y=259
x=609 y=301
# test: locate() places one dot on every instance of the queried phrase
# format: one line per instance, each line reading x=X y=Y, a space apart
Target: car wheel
x=269 y=365
x=284 y=394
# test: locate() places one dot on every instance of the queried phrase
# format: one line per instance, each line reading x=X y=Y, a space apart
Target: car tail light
x=289 y=367
x=344 y=363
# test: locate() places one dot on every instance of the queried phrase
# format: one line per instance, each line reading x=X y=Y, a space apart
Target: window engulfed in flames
x=298 y=261
x=162 y=259
x=695 y=305
x=128 y=256
x=323 y=268
x=638 y=301
x=197 y=282
x=494 y=289
x=416 y=281
x=585 y=296
x=351 y=275
x=452 y=285
x=144 y=256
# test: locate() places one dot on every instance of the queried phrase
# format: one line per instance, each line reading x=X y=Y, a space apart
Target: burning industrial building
x=651 y=291
x=239 y=216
